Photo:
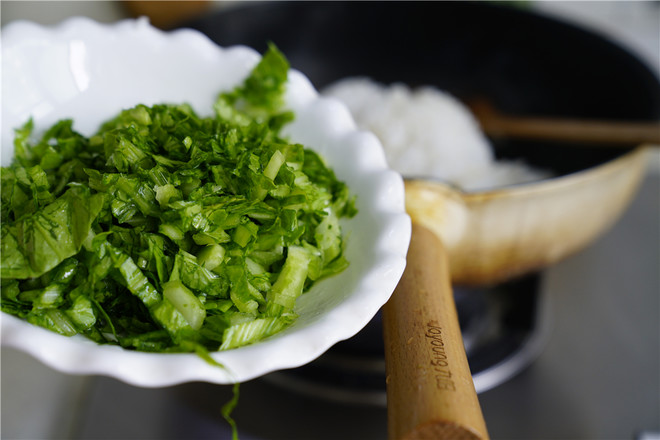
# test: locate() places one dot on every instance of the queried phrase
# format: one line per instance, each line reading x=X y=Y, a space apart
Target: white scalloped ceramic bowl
x=88 y=71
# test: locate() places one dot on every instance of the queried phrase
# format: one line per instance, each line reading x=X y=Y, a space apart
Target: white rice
x=427 y=132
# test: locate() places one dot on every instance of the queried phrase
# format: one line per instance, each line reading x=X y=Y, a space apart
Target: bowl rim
x=290 y=348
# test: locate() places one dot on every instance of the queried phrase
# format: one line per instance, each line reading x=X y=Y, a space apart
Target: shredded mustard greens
x=170 y=232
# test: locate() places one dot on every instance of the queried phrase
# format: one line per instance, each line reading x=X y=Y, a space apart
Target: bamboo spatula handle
x=585 y=131
x=430 y=392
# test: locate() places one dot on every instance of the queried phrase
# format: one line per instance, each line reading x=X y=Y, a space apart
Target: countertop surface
x=597 y=377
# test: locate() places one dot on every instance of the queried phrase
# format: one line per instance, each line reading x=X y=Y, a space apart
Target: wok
x=524 y=64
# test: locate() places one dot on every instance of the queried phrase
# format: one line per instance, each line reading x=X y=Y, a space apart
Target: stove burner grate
x=504 y=329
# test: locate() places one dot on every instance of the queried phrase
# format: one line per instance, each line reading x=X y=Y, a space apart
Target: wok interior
x=521 y=62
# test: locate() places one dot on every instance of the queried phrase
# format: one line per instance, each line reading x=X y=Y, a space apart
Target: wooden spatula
x=430 y=392
x=582 y=131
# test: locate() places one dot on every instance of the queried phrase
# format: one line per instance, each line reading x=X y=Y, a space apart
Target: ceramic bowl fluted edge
x=88 y=71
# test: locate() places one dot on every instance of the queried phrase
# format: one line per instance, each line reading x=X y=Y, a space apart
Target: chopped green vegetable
x=167 y=231
x=228 y=408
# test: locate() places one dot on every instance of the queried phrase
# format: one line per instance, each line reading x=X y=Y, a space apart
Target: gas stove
x=581 y=361
x=571 y=353
x=504 y=329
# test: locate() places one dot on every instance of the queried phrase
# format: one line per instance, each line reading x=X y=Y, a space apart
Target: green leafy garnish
x=167 y=231
x=228 y=408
